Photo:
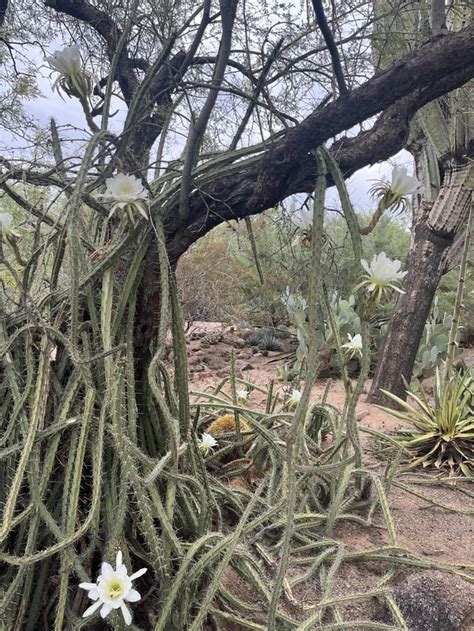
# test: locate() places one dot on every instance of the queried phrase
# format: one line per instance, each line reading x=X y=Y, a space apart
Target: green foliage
x=442 y=432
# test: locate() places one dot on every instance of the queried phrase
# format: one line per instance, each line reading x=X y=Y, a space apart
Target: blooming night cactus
x=354 y=345
x=112 y=590
x=73 y=79
x=207 y=442
x=382 y=274
x=394 y=194
x=126 y=192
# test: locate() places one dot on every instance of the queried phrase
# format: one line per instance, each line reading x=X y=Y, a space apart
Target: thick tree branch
x=286 y=167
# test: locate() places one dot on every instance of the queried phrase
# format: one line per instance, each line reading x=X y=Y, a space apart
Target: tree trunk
x=398 y=353
x=436 y=227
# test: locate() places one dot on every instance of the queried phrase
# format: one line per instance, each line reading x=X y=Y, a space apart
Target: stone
x=435 y=601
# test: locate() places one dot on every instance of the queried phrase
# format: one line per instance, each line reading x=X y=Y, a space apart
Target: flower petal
x=127 y=616
x=139 y=573
x=87 y=585
x=118 y=559
x=107 y=570
x=106 y=609
x=133 y=596
x=90 y=610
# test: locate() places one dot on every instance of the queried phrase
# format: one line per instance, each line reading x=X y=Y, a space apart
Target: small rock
x=435 y=601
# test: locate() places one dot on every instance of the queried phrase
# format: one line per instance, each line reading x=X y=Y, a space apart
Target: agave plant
x=442 y=432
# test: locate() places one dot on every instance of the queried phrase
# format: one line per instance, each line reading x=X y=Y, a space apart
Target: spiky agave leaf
x=442 y=432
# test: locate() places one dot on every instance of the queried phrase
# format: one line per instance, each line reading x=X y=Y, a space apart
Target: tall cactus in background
x=442 y=143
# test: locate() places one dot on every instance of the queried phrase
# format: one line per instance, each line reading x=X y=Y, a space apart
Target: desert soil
x=445 y=535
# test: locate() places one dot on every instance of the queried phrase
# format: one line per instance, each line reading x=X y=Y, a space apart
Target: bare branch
x=438 y=18
x=329 y=39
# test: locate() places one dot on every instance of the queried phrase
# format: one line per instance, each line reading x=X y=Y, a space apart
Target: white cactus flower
x=67 y=61
x=112 y=589
x=354 y=345
x=294 y=398
x=5 y=221
x=394 y=194
x=243 y=394
x=382 y=274
x=126 y=191
x=206 y=443
x=303 y=219
x=403 y=184
x=73 y=79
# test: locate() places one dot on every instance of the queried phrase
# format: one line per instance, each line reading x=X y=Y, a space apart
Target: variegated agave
x=442 y=432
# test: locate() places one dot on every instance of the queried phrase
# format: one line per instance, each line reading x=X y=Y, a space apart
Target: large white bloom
x=112 y=589
x=403 y=184
x=66 y=61
x=303 y=219
x=73 y=79
x=5 y=221
x=382 y=274
x=394 y=194
x=206 y=443
x=354 y=345
x=126 y=191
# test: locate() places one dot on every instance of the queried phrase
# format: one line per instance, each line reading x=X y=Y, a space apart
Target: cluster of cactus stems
x=88 y=469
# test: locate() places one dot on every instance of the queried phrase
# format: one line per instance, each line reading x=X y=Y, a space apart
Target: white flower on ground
x=294 y=398
x=382 y=274
x=303 y=219
x=112 y=589
x=354 y=345
x=73 y=79
x=403 y=184
x=5 y=221
x=243 y=394
x=126 y=191
x=206 y=443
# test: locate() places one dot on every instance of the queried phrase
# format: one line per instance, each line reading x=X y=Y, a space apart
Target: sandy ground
x=443 y=534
